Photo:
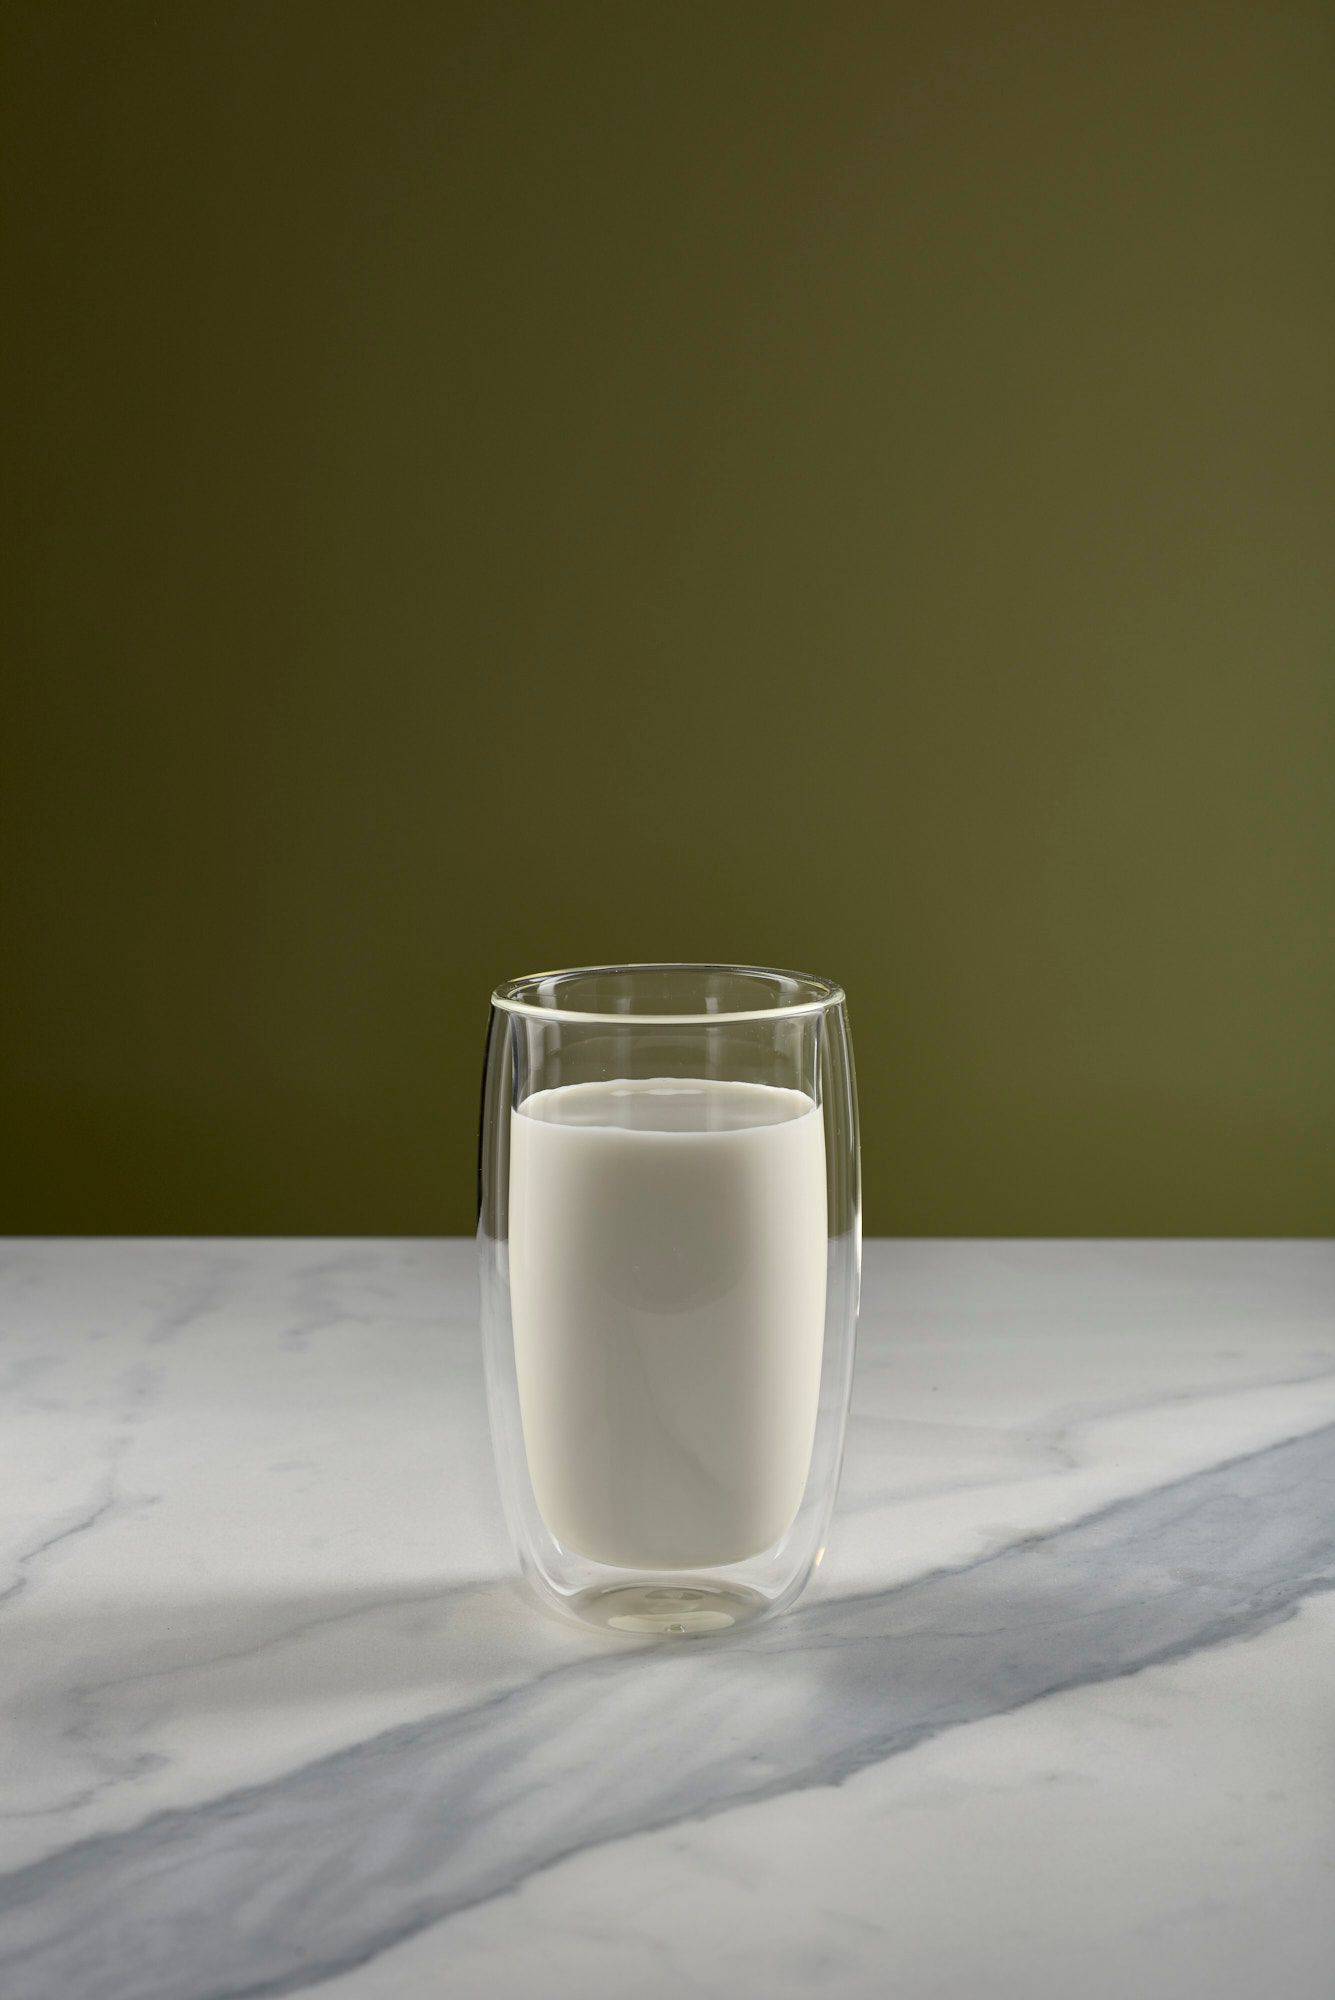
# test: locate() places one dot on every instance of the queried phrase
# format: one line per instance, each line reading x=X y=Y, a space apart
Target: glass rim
x=510 y=995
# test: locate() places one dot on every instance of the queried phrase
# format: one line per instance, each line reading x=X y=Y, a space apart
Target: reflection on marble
x=280 y=1723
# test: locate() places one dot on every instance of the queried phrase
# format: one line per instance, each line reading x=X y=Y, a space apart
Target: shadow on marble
x=395 y=1832
x=244 y=1650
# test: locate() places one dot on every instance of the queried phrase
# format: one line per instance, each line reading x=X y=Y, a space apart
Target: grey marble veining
x=381 y=1840
x=1047 y=1503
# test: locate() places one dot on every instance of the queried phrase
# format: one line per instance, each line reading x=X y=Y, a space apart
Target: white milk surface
x=667 y=1268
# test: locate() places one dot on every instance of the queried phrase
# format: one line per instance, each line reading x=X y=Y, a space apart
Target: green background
x=841 y=486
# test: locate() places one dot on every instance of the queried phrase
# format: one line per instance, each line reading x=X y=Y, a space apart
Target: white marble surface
x=1055 y=1720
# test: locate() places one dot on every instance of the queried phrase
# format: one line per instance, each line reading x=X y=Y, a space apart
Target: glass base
x=668 y=1610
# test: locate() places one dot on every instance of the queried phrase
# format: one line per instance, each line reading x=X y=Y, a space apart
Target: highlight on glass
x=670 y=1244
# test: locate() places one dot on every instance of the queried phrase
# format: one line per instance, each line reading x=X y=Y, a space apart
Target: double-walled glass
x=670 y=1241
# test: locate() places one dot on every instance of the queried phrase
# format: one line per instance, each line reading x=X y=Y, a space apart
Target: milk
x=667 y=1270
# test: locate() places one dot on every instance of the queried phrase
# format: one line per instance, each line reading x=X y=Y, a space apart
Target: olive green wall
x=846 y=486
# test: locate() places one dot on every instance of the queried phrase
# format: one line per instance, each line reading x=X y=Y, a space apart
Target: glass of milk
x=670 y=1238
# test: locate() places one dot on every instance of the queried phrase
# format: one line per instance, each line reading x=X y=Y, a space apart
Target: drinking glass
x=670 y=1243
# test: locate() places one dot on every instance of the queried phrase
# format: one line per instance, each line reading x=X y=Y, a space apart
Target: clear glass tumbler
x=670 y=1242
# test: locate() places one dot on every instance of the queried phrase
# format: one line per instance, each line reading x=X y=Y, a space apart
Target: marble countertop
x=1055 y=1719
